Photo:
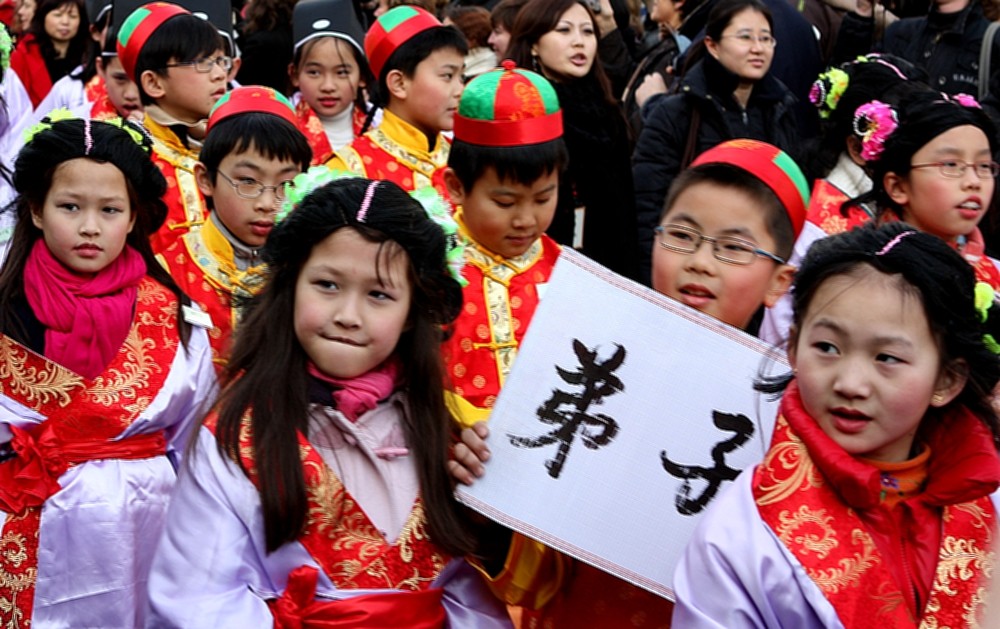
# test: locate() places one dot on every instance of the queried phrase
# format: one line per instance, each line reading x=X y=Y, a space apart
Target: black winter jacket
x=660 y=148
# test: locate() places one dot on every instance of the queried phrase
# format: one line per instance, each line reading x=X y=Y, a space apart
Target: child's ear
x=233 y=71
x=454 y=186
x=950 y=383
x=36 y=217
x=854 y=150
x=152 y=84
x=398 y=84
x=205 y=183
x=897 y=188
x=792 y=346
x=780 y=282
x=293 y=75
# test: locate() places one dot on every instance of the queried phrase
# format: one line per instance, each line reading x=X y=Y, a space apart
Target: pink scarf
x=86 y=318
x=356 y=396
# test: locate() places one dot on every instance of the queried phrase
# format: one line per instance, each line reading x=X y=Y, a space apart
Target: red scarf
x=356 y=396
x=86 y=318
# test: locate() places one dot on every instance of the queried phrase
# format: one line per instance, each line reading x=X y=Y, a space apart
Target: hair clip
x=875 y=57
x=962 y=99
x=369 y=193
x=827 y=90
x=6 y=46
x=439 y=211
x=985 y=297
x=892 y=243
x=874 y=122
x=88 y=139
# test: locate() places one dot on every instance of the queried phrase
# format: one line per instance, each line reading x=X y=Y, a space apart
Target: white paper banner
x=623 y=416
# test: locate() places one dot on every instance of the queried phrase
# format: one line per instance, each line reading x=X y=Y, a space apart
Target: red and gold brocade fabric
x=499 y=301
x=185 y=206
x=342 y=539
x=398 y=152
x=202 y=264
x=824 y=209
x=805 y=507
x=82 y=417
x=312 y=127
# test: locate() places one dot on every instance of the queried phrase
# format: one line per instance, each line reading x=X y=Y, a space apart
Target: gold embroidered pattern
x=819 y=537
x=36 y=386
x=14 y=552
x=850 y=570
x=791 y=455
x=957 y=560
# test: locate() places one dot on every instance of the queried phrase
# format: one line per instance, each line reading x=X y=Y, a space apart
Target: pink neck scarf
x=356 y=396
x=86 y=318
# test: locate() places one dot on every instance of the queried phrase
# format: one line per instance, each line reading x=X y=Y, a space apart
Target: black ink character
x=739 y=424
x=598 y=381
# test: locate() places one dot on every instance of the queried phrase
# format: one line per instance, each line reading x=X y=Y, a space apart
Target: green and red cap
x=771 y=165
x=138 y=27
x=391 y=30
x=509 y=106
x=252 y=99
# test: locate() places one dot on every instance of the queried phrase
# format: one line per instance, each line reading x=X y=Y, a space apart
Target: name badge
x=197 y=317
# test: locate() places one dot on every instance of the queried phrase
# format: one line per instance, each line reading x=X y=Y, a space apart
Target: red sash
x=339 y=536
x=297 y=607
x=312 y=127
x=82 y=418
x=836 y=550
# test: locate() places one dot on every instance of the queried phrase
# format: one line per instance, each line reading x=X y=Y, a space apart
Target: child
x=418 y=63
x=103 y=379
x=317 y=490
x=178 y=62
x=330 y=71
x=503 y=176
x=252 y=150
x=931 y=165
x=118 y=96
x=872 y=507
x=744 y=199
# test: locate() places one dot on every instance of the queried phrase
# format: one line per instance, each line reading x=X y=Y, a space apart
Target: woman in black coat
x=728 y=93
x=596 y=209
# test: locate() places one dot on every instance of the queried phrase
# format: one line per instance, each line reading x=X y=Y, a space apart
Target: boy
x=178 y=62
x=738 y=202
x=252 y=149
x=117 y=94
x=418 y=64
x=503 y=177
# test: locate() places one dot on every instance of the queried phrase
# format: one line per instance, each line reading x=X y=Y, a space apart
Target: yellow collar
x=487 y=261
x=406 y=134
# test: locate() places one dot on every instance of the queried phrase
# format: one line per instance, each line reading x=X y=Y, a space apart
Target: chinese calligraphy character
x=597 y=381
x=739 y=424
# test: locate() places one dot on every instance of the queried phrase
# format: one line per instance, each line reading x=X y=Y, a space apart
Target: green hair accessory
x=827 y=90
x=6 y=46
x=984 y=299
x=54 y=116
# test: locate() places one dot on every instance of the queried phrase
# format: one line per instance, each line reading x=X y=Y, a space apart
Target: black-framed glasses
x=729 y=249
x=954 y=168
x=204 y=64
x=747 y=39
x=252 y=189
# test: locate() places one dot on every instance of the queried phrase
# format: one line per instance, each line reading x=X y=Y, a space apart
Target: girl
x=931 y=165
x=728 y=93
x=872 y=507
x=57 y=41
x=595 y=213
x=318 y=487
x=330 y=71
x=103 y=378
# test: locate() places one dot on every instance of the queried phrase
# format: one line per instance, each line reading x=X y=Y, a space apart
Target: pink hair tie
x=369 y=193
x=966 y=101
x=892 y=243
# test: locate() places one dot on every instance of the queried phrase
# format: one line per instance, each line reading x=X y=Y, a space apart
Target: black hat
x=96 y=10
x=327 y=18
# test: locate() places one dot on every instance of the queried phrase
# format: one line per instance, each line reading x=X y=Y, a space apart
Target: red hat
x=137 y=28
x=252 y=98
x=393 y=29
x=771 y=165
x=508 y=107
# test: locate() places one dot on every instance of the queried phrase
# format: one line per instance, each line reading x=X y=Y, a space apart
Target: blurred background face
x=569 y=49
x=24 y=12
x=62 y=23
x=740 y=49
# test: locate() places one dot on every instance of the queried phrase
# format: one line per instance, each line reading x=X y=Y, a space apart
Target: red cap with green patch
x=774 y=167
x=391 y=30
x=508 y=107
x=137 y=28
x=252 y=99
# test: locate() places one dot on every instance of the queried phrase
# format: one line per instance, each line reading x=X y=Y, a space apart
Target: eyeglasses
x=251 y=189
x=205 y=64
x=747 y=39
x=955 y=169
x=727 y=249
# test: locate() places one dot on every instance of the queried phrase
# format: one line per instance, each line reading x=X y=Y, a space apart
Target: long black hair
x=937 y=275
x=121 y=143
x=266 y=375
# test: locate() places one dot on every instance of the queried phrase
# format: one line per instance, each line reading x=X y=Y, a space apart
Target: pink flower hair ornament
x=827 y=90
x=874 y=122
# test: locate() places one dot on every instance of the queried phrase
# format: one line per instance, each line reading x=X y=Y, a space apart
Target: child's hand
x=469 y=454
